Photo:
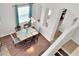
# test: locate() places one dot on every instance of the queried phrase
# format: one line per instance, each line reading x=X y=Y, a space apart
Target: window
x=49 y=12
x=47 y=15
x=23 y=13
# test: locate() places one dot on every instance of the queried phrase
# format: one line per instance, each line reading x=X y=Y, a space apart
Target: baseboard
x=6 y=34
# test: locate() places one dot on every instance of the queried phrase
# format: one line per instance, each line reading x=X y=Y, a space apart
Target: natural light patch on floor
x=30 y=50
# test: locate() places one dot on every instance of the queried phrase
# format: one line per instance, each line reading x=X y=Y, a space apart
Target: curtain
x=30 y=13
x=17 y=17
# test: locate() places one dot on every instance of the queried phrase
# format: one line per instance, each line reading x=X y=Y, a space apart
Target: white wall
x=55 y=7
x=48 y=32
x=76 y=34
x=7 y=17
x=36 y=11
